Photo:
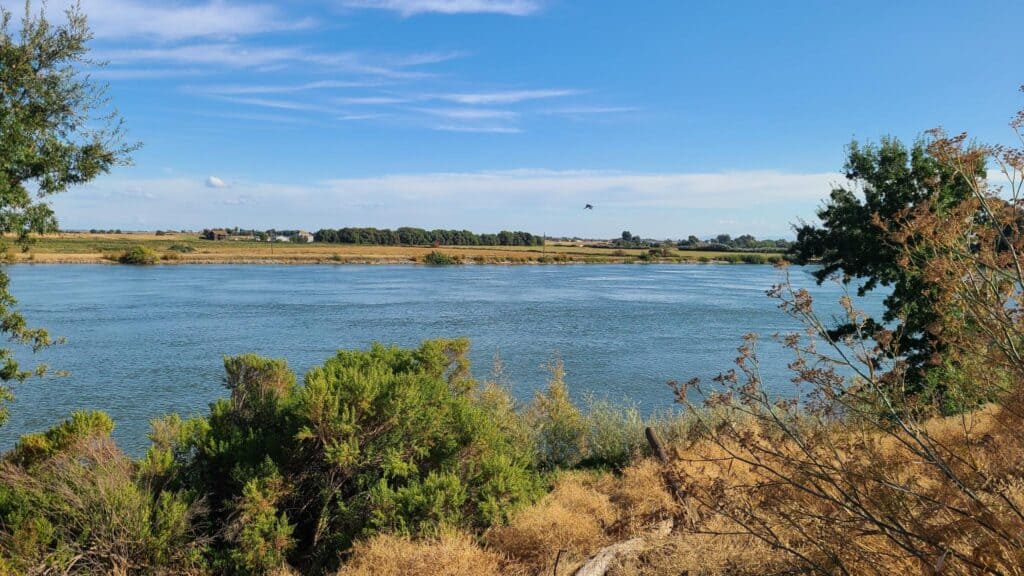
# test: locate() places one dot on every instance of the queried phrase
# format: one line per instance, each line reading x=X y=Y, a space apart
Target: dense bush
x=384 y=440
x=71 y=502
x=437 y=258
x=138 y=255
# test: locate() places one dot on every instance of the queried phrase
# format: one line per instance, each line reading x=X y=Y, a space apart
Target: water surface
x=145 y=341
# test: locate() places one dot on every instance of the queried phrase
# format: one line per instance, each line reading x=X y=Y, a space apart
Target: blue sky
x=671 y=117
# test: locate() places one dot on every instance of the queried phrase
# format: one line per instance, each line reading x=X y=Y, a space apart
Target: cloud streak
x=414 y=7
x=173 y=20
x=506 y=97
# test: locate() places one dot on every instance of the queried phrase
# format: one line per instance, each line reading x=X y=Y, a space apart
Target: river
x=145 y=341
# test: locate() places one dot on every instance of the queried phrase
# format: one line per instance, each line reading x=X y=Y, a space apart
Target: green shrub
x=614 y=434
x=34 y=448
x=558 y=425
x=437 y=258
x=72 y=502
x=138 y=255
x=382 y=440
x=181 y=248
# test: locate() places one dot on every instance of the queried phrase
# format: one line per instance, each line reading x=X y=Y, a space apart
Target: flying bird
x=588 y=207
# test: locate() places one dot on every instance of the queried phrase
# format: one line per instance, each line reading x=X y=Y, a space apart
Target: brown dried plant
x=853 y=475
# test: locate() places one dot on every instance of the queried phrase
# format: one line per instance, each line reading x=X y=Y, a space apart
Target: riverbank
x=80 y=248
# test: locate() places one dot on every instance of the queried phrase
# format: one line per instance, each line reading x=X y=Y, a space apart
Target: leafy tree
x=56 y=131
x=886 y=181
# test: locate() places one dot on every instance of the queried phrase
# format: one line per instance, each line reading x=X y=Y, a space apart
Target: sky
x=670 y=117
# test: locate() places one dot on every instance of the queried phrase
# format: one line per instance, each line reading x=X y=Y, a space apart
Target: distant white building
x=304 y=236
x=282 y=239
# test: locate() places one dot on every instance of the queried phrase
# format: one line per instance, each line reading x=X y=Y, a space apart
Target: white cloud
x=615 y=190
x=358 y=117
x=470 y=113
x=275 y=104
x=657 y=204
x=241 y=89
x=413 y=7
x=236 y=55
x=142 y=73
x=589 y=110
x=484 y=129
x=370 y=100
x=215 y=182
x=222 y=54
x=506 y=97
x=173 y=20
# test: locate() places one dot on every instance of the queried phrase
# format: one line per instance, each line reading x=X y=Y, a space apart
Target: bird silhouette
x=588 y=207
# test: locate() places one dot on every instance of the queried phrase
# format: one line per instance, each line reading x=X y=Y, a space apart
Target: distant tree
x=627 y=236
x=56 y=131
x=723 y=239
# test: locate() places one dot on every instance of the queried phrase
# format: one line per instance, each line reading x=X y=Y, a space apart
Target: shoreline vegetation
x=897 y=450
x=182 y=248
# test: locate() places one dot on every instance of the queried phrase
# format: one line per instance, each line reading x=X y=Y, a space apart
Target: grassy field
x=190 y=249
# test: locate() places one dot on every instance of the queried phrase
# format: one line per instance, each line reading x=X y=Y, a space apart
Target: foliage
x=56 y=131
x=142 y=255
x=614 y=434
x=383 y=440
x=858 y=476
x=438 y=258
x=559 y=426
x=418 y=237
x=71 y=502
x=854 y=240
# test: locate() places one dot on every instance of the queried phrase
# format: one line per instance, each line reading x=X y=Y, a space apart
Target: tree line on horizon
x=420 y=237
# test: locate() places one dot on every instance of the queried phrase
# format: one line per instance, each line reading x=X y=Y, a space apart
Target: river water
x=145 y=341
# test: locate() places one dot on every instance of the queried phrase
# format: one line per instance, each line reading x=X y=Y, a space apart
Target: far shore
x=87 y=248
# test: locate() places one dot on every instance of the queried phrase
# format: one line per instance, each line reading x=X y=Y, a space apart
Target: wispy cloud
x=275 y=104
x=241 y=56
x=370 y=100
x=470 y=113
x=222 y=54
x=588 y=110
x=172 y=20
x=143 y=73
x=505 y=97
x=358 y=117
x=243 y=89
x=413 y=7
x=482 y=129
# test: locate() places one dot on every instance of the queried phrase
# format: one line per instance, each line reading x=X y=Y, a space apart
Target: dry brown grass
x=77 y=248
x=451 y=554
x=574 y=517
x=587 y=511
